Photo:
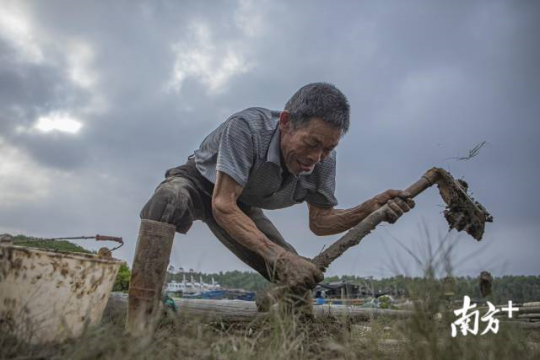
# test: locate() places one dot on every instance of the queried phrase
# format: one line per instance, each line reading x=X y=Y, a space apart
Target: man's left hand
x=399 y=202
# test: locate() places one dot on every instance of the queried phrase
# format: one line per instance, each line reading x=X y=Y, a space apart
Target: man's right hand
x=296 y=272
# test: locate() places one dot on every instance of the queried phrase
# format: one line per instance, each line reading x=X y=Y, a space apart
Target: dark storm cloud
x=29 y=91
x=427 y=81
x=25 y=88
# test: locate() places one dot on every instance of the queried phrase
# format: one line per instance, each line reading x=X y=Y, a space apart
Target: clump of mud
x=462 y=212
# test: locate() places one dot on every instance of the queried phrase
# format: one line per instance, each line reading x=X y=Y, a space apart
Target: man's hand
x=296 y=272
x=399 y=202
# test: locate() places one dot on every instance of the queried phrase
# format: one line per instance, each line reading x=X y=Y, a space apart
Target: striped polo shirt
x=247 y=148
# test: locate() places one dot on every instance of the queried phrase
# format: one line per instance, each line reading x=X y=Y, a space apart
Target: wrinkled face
x=306 y=145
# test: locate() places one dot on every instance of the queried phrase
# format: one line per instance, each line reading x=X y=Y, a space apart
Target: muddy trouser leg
x=170 y=209
x=264 y=298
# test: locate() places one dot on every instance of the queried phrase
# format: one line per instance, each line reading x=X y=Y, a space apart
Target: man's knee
x=155 y=208
x=169 y=204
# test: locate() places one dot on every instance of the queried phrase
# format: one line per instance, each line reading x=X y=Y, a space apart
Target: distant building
x=340 y=289
x=191 y=287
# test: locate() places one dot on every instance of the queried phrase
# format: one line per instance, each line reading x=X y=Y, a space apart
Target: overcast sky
x=99 y=98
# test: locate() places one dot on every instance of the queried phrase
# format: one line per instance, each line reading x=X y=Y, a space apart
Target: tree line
x=517 y=288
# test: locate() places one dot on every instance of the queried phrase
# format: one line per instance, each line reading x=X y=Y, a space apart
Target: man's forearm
x=241 y=228
x=335 y=221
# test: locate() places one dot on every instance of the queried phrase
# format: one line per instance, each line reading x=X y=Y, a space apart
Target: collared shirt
x=247 y=148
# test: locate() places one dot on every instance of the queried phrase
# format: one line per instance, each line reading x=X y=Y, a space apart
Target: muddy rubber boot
x=148 y=275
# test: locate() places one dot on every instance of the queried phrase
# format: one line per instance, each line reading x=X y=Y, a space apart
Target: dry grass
x=277 y=337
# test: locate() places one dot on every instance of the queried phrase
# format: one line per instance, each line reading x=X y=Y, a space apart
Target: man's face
x=306 y=145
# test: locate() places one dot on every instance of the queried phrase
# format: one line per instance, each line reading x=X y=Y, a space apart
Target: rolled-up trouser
x=185 y=196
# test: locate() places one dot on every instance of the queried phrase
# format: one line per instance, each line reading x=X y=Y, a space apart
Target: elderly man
x=257 y=159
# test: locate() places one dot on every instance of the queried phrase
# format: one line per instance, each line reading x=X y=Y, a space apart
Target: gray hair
x=321 y=100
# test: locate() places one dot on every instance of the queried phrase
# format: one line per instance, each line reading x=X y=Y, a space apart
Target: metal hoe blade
x=462 y=212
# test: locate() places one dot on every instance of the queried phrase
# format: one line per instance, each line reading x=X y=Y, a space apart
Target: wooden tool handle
x=357 y=233
x=427 y=180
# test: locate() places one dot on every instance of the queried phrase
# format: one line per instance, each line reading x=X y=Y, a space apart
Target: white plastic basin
x=49 y=296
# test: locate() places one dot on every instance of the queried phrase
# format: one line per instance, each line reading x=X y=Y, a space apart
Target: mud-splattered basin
x=49 y=296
